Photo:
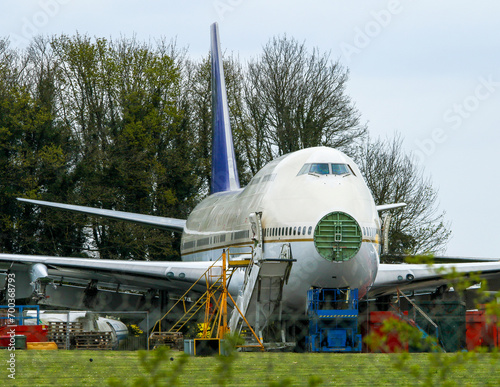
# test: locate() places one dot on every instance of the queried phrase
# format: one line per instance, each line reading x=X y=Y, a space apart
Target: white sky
x=426 y=69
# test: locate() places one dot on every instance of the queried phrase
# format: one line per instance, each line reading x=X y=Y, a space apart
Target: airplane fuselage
x=314 y=199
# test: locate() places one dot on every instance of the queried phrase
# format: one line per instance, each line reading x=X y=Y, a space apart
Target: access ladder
x=261 y=295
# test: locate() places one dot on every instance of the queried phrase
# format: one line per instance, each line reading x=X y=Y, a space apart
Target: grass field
x=94 y=368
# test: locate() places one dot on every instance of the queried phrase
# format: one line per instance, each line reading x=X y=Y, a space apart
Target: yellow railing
x=216 y=319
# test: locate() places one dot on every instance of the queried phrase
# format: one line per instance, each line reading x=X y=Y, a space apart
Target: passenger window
x=298 y=231
x=310 y=230
x=304 y=230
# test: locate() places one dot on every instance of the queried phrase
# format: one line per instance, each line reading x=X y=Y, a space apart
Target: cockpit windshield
x=340 y=169
x=325 y=169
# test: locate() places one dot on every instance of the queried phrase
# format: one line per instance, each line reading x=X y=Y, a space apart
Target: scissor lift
x=333 y=320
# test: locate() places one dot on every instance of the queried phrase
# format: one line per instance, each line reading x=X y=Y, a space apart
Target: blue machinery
x=14 y=315
x=333 y=320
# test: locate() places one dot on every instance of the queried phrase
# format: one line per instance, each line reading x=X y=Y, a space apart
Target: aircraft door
x=256 y=224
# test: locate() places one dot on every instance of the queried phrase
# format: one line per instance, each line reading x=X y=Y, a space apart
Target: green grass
x=74 y=368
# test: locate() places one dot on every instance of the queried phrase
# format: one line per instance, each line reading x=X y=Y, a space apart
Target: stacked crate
x=93 y=340
x=70 y=335
x=63 y=333
x=174 y=340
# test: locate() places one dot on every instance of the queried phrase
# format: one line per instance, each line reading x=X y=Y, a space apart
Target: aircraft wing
x=171 y=224
x=409 y=277
x=131 y=275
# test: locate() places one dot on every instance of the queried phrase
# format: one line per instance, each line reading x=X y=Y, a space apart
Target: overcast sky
x=426 y=69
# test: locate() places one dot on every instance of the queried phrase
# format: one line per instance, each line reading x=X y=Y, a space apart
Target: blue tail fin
x=224 y=171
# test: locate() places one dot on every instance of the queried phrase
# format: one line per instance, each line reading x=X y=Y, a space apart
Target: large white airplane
x=315 y=200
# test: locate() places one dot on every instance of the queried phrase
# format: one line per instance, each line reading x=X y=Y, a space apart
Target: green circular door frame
x=337 y=237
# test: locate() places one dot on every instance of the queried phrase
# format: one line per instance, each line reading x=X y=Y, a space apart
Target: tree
x=122 y=100
x=34 y=152
x=196 y=105
x=296 y=100
x=97 y=123
x=393 y=177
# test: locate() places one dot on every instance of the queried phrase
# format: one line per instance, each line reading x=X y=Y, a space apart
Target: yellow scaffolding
x=214 y=299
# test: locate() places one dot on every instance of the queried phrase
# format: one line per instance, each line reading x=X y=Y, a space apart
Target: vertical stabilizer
x=224 y=171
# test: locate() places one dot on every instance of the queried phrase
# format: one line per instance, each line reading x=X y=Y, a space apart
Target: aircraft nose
x=337 y=237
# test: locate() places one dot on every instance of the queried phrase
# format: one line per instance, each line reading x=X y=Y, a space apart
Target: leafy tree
x=34 y=151
x=122 y=99
x=197 y=108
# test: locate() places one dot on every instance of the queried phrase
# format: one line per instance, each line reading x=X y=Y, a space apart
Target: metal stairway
x=215 y=279
x=260 y=297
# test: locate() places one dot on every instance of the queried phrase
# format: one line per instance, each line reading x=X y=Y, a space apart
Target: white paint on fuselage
x=289 y=202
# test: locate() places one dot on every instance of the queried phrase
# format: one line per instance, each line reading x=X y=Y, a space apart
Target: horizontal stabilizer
x=385 y=207
x=170 y=224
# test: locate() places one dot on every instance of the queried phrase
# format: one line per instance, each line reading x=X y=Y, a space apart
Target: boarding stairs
x=260 y=297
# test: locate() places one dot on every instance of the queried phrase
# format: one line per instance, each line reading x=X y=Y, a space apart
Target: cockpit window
x=304 y=169
x=340 y=169
x=320 y=169
x=325 y=169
